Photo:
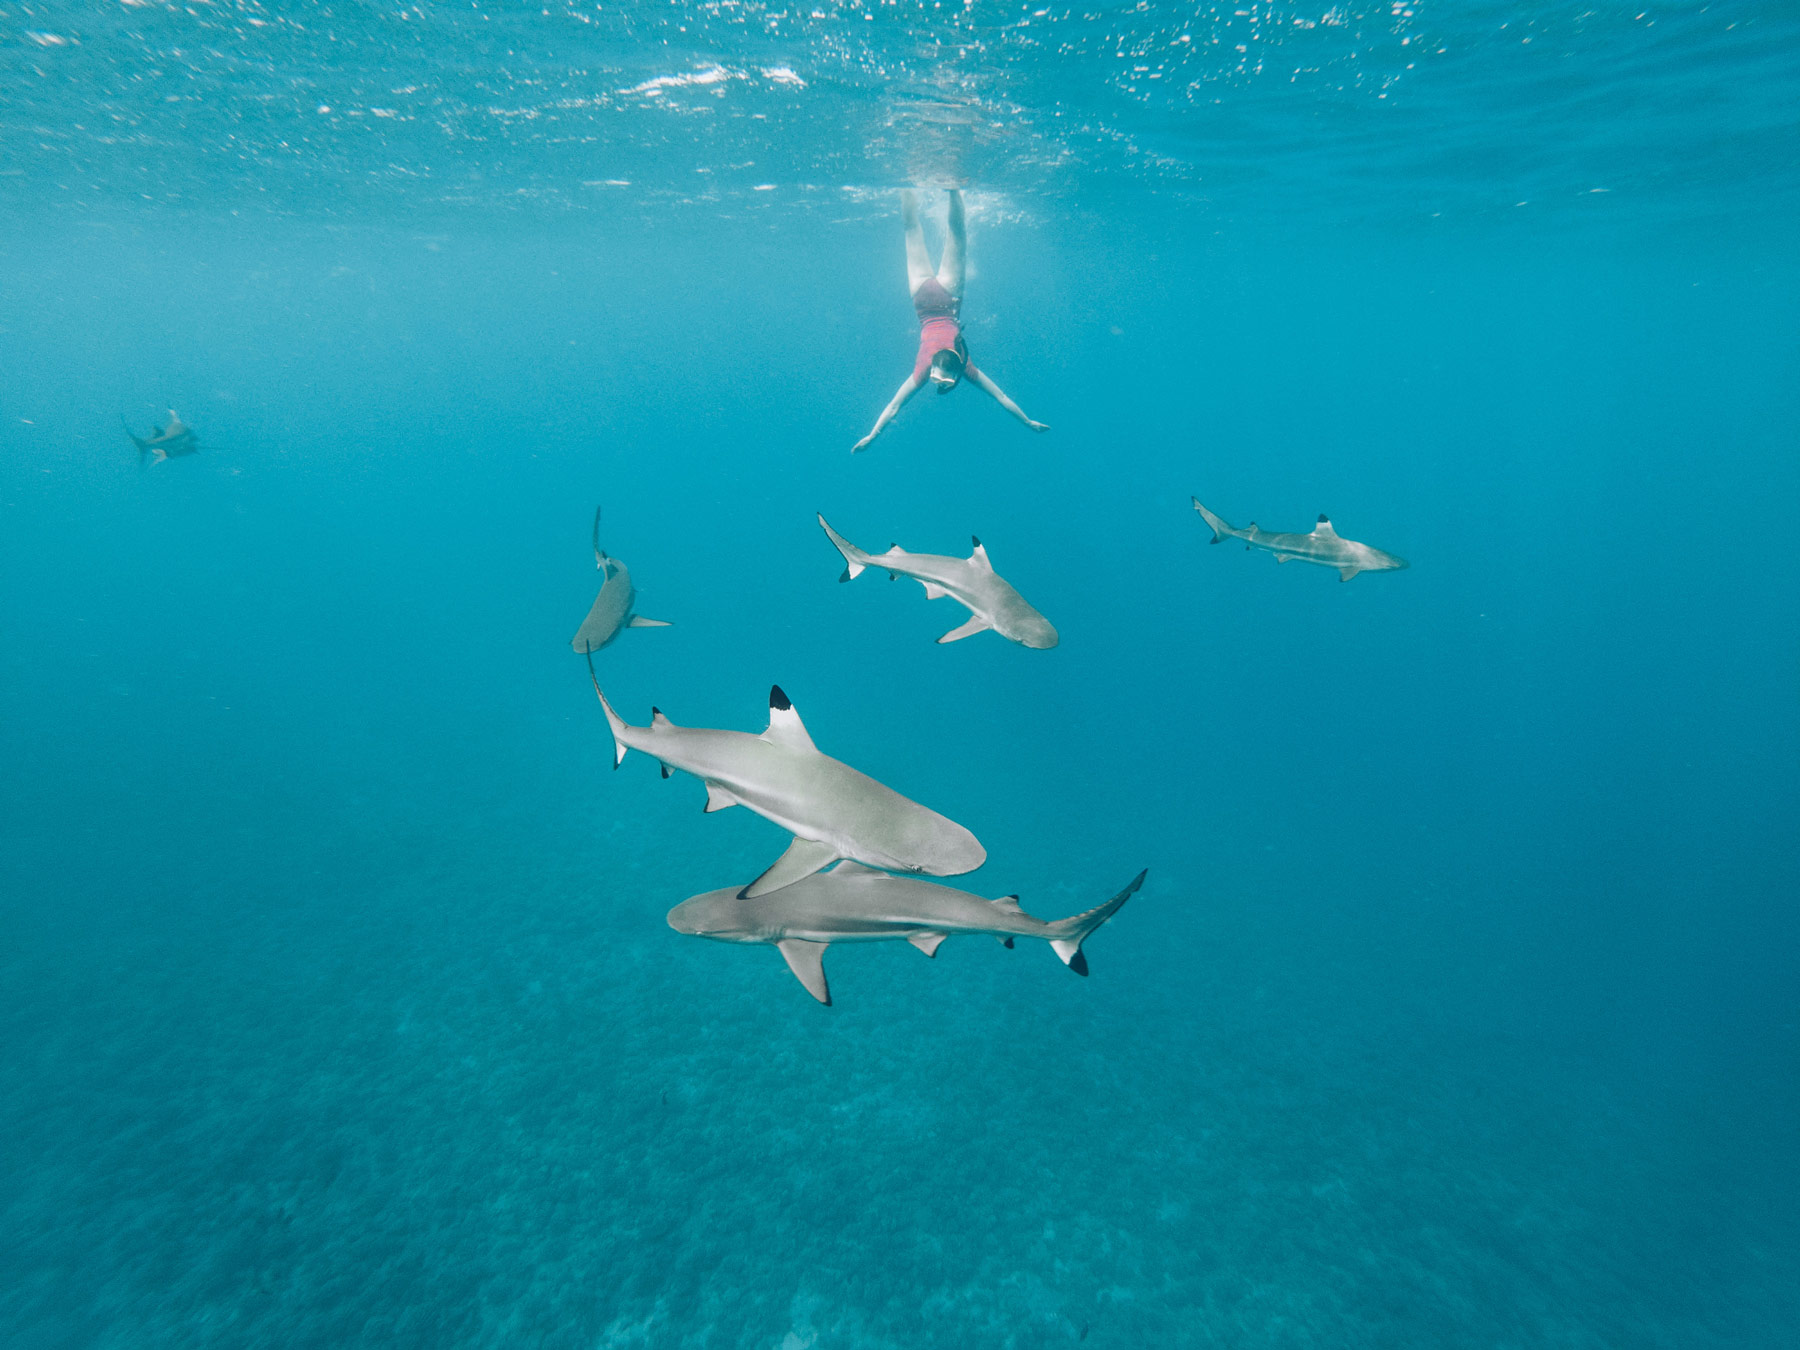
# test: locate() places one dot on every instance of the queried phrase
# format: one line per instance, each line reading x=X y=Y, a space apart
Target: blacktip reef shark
x=1324 y=546
x=166 y=442
x=852 y=903
x=831 y=810
x=971 y=581
x=611 y=612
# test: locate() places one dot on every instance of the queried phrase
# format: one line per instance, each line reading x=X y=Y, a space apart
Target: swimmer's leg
x=950 y=267
x=918 y=261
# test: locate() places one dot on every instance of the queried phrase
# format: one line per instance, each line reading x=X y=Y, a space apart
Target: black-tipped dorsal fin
x=659 y=718
x=1324 y=526
x=1008 y=904
x=979 y=557
x=785 y=727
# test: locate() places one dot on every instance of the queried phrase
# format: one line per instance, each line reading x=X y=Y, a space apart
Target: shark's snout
x=683 y=919
x=1041 y=636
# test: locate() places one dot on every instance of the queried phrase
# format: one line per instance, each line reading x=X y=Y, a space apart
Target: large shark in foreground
x=970 y=581
x=1324 y=546
x=611 y=610
x=832 y=810
x=852 y=903
x=168 y=442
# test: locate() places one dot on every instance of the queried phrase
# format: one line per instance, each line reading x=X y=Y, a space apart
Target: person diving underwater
x=943 y=358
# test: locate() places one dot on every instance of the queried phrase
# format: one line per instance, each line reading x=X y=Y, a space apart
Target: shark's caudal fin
x=614 y=722
x=1221 y=528
x=854 y=558
x=142 y=449
x=1067 y=935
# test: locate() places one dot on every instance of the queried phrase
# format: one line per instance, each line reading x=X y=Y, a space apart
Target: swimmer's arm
x=905 y=392
x=980 y=378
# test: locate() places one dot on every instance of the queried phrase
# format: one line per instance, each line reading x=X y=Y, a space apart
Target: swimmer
x=937 y=297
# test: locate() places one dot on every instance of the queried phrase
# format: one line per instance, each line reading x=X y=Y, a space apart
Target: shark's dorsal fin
x=979 y=557
x=785 y=727
x=659 y=718
x=1324 y=527
x=807 y=961
x=1008 y=904
x=893 y=548
x=849 y=867
x=933 y=591
x=927 y=942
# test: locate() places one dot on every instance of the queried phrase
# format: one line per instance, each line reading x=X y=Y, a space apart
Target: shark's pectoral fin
x=639 y=621
x=802 y=859
x=718 y=798
x=807 y=961
x=927 y=942
x=1345 y=573
x=933 y=591
x=976 y=624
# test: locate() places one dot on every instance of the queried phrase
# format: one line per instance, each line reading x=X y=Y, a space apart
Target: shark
x=1324 y=546
x=832 y=810
x=853 y=903
x=165 y=442
x=611 y=611
x=972 y=582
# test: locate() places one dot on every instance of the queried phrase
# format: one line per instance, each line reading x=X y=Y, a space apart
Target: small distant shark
x=1324 y=546
x=971 y=581
x=832 y=810
x=852 y=903
x=169 y=442
x=611 y=611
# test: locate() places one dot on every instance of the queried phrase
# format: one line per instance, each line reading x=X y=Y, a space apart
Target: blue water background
x=1459 y=1007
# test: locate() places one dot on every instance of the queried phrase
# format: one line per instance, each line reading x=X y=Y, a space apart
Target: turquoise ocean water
x=337 y=1003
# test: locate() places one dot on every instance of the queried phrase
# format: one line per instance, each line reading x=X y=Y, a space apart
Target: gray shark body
x=1324 y=546
x=165 y=442
x=971 y=582
x=831 y=810
x=852 y=903
x=611 y=612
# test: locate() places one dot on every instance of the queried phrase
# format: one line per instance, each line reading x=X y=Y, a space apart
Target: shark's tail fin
x=1221 y=528
x=1067 y=935
x=854 y=558
x=614 y=723
x=142 y=449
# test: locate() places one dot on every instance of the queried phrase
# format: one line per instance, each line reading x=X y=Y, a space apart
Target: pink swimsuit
x=938 y=329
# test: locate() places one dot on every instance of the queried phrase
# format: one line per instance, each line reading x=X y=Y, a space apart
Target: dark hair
x=948 y=363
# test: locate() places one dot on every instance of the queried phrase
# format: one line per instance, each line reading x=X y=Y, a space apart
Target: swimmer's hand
x=1037 y=426
x=863 y=444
